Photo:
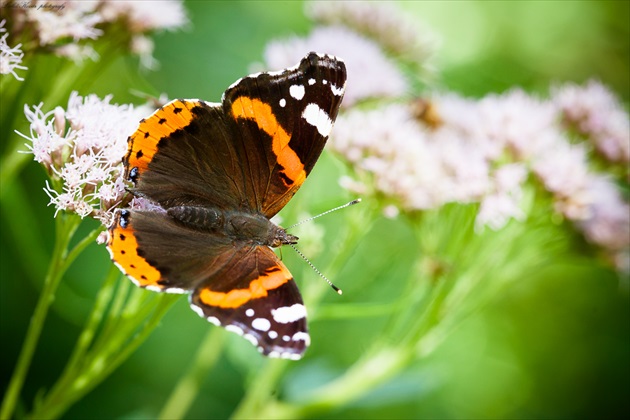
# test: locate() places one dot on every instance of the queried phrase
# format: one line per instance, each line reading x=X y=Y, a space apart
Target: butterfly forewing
x=292 y=112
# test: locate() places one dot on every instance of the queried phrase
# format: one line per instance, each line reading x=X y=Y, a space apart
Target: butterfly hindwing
x=162 y=255
x=256 y=297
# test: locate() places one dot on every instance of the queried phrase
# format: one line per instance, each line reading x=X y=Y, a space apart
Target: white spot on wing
x=214 y=320
x=286 y=314
x=249 y=312
x=318 y=118
x=297 y=91
x=234 y=329
x=293 y=356
x=251 y=339
x=336 y=91
x=311 y=82
x=154 y=288
x=287 y=355
x=272 y=334
x=261 y=324
x=198 y=310
x=302 y=336
x=283 y=102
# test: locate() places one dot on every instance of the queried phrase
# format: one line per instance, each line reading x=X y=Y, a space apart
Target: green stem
x=88 y=368
x=188 y=386
x=162 y=305
x=373 y=369
x=66 y=225
x=80 y=247
x=259 y=393
x=431 y=313
x=89 y=331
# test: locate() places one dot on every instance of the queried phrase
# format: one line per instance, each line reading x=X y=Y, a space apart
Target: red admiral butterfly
x=219 y=172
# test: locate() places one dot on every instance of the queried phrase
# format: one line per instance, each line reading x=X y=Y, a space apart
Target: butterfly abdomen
x=199 y=218
x=237 y=226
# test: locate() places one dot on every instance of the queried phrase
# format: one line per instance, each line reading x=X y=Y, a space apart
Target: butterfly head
x=281 y=237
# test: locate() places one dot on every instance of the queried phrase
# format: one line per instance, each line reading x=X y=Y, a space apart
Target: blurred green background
x=556 y=345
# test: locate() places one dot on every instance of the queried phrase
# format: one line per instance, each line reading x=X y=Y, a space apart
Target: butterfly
x=217 y=173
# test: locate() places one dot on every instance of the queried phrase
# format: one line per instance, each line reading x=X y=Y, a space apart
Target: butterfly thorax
x=236 y=225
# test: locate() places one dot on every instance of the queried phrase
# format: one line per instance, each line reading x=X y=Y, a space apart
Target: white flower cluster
x=381 y=22
x=420 y=167
x=595 y=112
x=483 y=151
x=82 y=147
x=62 y=26
x=144 y=16
x=362 y=33
x=10 y=57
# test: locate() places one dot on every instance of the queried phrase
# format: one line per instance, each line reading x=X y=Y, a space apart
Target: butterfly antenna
x=351 y=203
x=335 y=288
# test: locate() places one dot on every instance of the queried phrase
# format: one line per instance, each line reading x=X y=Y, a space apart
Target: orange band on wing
x=257 y=288
x=261 y=113
x=123 y=248
x=143 y=143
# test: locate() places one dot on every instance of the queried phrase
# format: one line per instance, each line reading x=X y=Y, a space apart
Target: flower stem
x=258 y=396
x=89 y=332
x=96 y=356
x=188 y=386
x=66 y=225
x=372 y=370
